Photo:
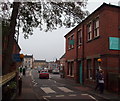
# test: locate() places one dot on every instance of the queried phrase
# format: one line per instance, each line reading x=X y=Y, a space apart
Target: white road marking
x=92 y=97
x=35 y=84
x=72 y=95
x=46 y=96
x=65 y=89
x=59 y=95
x=47 y=90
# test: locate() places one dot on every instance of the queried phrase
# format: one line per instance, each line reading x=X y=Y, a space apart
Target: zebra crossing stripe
x=47 y=90
x=60 y=95
x=65 y=89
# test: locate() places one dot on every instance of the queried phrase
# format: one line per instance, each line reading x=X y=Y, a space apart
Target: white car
x=55 y=71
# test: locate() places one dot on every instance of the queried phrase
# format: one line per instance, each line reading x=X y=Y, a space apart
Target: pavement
x=106 y=95
x=28 y=93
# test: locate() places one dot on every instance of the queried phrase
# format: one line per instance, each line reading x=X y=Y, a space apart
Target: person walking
x=101 y=82
x=97 y=79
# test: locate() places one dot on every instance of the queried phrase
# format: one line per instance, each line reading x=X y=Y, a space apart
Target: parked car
x=55 y=71
x=44 y=74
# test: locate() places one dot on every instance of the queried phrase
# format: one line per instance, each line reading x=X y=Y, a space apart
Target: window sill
x=80 y=44
x=93 y=39
x=70 y=49
x=96 y=37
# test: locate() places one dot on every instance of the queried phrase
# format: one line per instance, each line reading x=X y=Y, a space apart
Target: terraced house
x=96 y=37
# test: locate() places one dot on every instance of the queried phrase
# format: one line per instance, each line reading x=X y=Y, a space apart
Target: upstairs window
x=72 y=41
x=89 y=31
x=68 y=43
x=96 y=27
x=80 y=37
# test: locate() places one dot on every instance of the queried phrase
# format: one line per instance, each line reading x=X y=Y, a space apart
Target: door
x=80 y=72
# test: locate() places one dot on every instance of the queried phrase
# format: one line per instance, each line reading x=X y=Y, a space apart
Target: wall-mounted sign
x=17 y=57
x=114 y=43
x=71 y=42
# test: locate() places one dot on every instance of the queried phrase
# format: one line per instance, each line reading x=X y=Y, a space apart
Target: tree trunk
x=7 y=62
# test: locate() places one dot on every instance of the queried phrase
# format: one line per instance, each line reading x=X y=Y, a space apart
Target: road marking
x=92 y=97
x=47 y=90
x=72 y=95
x=59 y=95
x=65 y=89
x=46 y=96
x=35 y=84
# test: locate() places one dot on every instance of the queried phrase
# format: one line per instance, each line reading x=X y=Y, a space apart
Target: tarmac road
x=56 y=88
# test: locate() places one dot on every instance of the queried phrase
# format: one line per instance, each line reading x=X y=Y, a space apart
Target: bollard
x=20 y=85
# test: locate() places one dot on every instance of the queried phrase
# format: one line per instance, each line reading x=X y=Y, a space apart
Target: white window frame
x=89 y=31
x=96 y=27
x=80 y=37
x=72 y=38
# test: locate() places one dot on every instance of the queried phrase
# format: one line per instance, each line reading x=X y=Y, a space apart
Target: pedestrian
x=23 y=71
x=101 y=82
x=97 y=79
x=20 y=70
x=20 y=85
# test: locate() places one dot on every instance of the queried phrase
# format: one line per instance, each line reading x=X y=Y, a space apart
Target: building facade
x=28 y=61
x=98 y=36
x=40 y=63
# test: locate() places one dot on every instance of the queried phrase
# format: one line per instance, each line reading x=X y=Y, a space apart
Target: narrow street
x=56 y=88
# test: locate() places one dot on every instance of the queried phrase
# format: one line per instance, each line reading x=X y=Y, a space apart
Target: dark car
x=44 y=74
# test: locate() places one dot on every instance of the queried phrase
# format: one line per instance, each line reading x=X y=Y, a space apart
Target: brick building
x=97 y=36
x=40 y=63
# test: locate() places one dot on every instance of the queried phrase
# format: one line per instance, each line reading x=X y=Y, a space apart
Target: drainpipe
x=83 y=32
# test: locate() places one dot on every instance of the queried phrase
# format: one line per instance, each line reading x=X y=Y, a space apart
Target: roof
x=62 y=56
x=28 y=56
x=103 y=5
x=39 y=60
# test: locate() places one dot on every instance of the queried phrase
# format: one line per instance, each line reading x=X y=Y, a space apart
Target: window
x=79 y=37
x=72 y=41
x=68 y=43
x=96 y=27
x=89 y=31
x=71 y=69
x=96 y=66
x=89 y=69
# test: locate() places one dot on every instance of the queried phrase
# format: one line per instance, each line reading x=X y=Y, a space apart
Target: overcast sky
x=51 y=45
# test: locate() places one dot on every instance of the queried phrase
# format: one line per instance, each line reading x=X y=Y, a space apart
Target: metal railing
x=5 y=78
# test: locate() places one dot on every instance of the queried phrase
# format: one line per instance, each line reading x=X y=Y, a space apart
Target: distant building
x=28 y=61
x=40 y=63
x=62 y=62
x=98 y=36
